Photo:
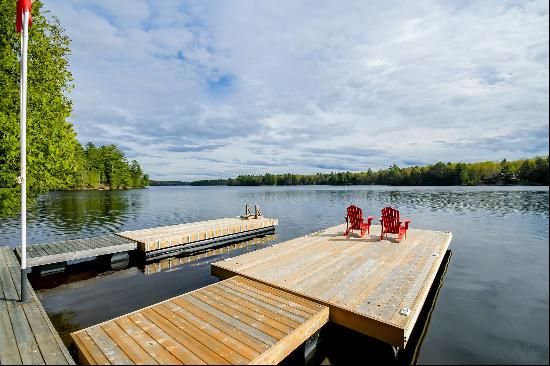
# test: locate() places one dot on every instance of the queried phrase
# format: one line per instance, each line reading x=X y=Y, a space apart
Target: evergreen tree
x=51 y=142
x=55 y=159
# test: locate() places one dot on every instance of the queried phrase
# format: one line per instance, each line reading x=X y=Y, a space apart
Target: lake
x=491 y=308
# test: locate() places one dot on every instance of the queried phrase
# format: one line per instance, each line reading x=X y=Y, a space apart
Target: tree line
x=106 y=167
x=532 y=171
x=55 y=158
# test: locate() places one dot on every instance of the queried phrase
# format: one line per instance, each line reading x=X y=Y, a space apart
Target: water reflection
x=499 y=267
x=133 y=262
x=175 y=263
x=88 y=210
x=65 y=325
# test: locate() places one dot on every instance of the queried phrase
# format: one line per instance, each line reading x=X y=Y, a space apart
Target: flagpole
x=23 y=143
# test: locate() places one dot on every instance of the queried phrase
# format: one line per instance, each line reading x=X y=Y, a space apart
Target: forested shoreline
x=55 y=158
x=532 y=171
x=106 y=167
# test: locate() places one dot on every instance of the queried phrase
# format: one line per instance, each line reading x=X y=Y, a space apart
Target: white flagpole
x=23 y=142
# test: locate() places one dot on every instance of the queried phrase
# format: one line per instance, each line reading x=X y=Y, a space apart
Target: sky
x=214 y=89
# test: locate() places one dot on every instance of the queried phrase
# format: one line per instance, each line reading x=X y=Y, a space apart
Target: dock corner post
x=24 y=292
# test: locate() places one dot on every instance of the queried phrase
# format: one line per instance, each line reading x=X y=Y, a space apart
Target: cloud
x=193 y=148
x=308 y=87
x=530 y=141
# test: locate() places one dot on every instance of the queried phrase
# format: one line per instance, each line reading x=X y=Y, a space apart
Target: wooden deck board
x=48 y=253
x=175 y=235
x=365 y=282
x=26 y=333
x=218 y=324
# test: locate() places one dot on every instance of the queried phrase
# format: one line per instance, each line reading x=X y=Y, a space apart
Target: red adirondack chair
x=354 y=221
x=392 y=224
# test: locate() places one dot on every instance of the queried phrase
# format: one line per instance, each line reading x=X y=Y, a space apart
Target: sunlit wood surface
x=368 y=284
x=236 y=321
x=175 y=235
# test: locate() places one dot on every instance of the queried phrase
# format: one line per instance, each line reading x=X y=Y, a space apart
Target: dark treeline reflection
x=83 y=214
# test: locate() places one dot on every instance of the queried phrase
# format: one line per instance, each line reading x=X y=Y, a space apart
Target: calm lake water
x=492 y=306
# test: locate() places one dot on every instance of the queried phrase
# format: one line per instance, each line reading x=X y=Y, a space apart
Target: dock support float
x=207 y=244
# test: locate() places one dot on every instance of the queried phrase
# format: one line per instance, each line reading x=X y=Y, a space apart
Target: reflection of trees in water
x=74 y=211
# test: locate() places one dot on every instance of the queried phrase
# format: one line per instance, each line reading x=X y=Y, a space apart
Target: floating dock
x=156 y=243
x=27 y=335
x=371 y=286
x=174 y=263
x=185 y=238
x=236 y=321
x=272 y=300
x=50 y=253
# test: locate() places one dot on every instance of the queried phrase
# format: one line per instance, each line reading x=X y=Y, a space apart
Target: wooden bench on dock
x=27 y=335
x=49 y=253
x=236 y=321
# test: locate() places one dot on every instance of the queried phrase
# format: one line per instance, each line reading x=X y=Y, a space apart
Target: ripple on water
x=493 y=307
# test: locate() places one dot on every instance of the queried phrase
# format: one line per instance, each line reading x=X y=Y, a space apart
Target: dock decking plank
x=210 y=325
x=365 y=282
x=9 y=353
x=219 y=335
x=25 y=328
x=24 y=338
x=89 y=349
x=128 y=345
x=199 y=349
x=206 y=339
x=182 y=353
x=51 y=347
x=270 y=318
x=255 y=320
x=150 y=345
x=63 y=251
x=217 y=323
x=108 y=347
x=293 y=319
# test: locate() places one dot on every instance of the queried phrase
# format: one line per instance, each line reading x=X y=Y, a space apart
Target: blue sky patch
x=221 y=85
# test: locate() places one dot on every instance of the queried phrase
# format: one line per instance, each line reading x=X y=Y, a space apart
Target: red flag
x=22 y=6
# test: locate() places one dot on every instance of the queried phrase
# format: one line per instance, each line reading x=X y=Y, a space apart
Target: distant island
x=532 y=171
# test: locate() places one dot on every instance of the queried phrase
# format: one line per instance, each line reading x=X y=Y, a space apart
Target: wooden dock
x=236 y=321
x=374 y=287
x=198 y=235
x=27 y=335
x=174 y=263
x=158 y=242
x=49 y=253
